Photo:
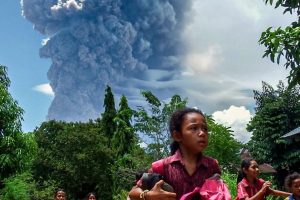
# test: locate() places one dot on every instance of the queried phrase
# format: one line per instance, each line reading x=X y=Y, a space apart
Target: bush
x=22 y=186
x=16 y=188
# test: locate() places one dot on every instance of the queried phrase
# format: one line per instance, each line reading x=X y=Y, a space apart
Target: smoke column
x=92 y=43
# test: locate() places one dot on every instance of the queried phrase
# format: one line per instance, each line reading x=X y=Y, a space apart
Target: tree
x=277 y=113
x=222 y=145
x=13 y=147
x=130 y=157
x=124 y=139
x=153 y=122
x=75 y=156
x=285 y=41
x=108 y=124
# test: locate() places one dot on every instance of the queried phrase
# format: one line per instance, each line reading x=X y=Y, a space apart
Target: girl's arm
x=278 y=193
x=156 y=193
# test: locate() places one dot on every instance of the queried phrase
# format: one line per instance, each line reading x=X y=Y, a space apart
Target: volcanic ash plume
x=93 y=43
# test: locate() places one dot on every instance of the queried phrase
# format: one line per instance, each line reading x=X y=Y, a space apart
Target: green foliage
x=290 y=6
x=153 y=122
x=22 y=186
x=14 y=147
x=29 y=150
x=125 y=168
x=75 y=156
x=285 y=41
x=108 y=124
x=10 y=112
x=277 y=113
x=230 y=180
x=124 y=138
x=15 y=188
x=222 y=145
x=129 y=157
x=121 y=195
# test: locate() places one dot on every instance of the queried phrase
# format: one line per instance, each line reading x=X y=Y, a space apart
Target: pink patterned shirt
x=176 y=175
x=245 y=189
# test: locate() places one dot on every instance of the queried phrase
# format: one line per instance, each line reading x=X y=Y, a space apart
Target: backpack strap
x=159 y=167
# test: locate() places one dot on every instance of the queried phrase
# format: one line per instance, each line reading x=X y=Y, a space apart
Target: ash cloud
x=92 y=43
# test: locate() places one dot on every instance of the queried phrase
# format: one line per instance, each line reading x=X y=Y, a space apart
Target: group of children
x=60 y=194
x=187 y=168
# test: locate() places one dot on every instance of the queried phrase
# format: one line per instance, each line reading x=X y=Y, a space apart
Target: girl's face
x=92 y=197
x=295 y=187
x=253 y=171
x=194 y=135
x=60 y=195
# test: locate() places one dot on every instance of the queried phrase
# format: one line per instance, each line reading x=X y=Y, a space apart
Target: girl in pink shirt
x=187 y=168
x=250 y=187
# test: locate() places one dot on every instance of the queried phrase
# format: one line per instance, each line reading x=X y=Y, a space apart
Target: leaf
x=266 y=54
x=286 y=10
x=272 y=57
x=278 y=3
x=278 y=57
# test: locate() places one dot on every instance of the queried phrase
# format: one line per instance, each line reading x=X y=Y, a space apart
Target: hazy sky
x=221 y=65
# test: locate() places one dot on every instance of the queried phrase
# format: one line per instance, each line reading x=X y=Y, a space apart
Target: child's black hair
x=288 y=181
x=89 y=194
x=245 y=164
x=176 y=121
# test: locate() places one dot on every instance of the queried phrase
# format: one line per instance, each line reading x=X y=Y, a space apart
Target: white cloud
x=237 y=118
x=199 y=62
x=250 y=8
x=223 y=61
x=45 y=89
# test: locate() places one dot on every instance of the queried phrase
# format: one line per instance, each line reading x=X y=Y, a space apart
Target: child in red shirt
x=187 y=168
x=250 y=187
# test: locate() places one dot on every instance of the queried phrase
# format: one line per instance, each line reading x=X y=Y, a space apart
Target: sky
x=218 y=68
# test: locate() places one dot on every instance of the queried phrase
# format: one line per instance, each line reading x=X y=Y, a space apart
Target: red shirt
x=245 y=189
x=176 y=175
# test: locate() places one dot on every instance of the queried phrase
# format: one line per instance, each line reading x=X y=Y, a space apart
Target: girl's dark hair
x=58 y=190
x=288 y=181
x=89 y=194
x=176 y=121
x=245 y=164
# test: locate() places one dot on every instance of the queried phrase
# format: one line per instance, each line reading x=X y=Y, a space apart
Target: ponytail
x=240 y=176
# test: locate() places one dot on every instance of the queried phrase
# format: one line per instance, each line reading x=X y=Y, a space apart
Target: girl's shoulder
x=260 y=181
x=209 y=161
x=159 y=165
